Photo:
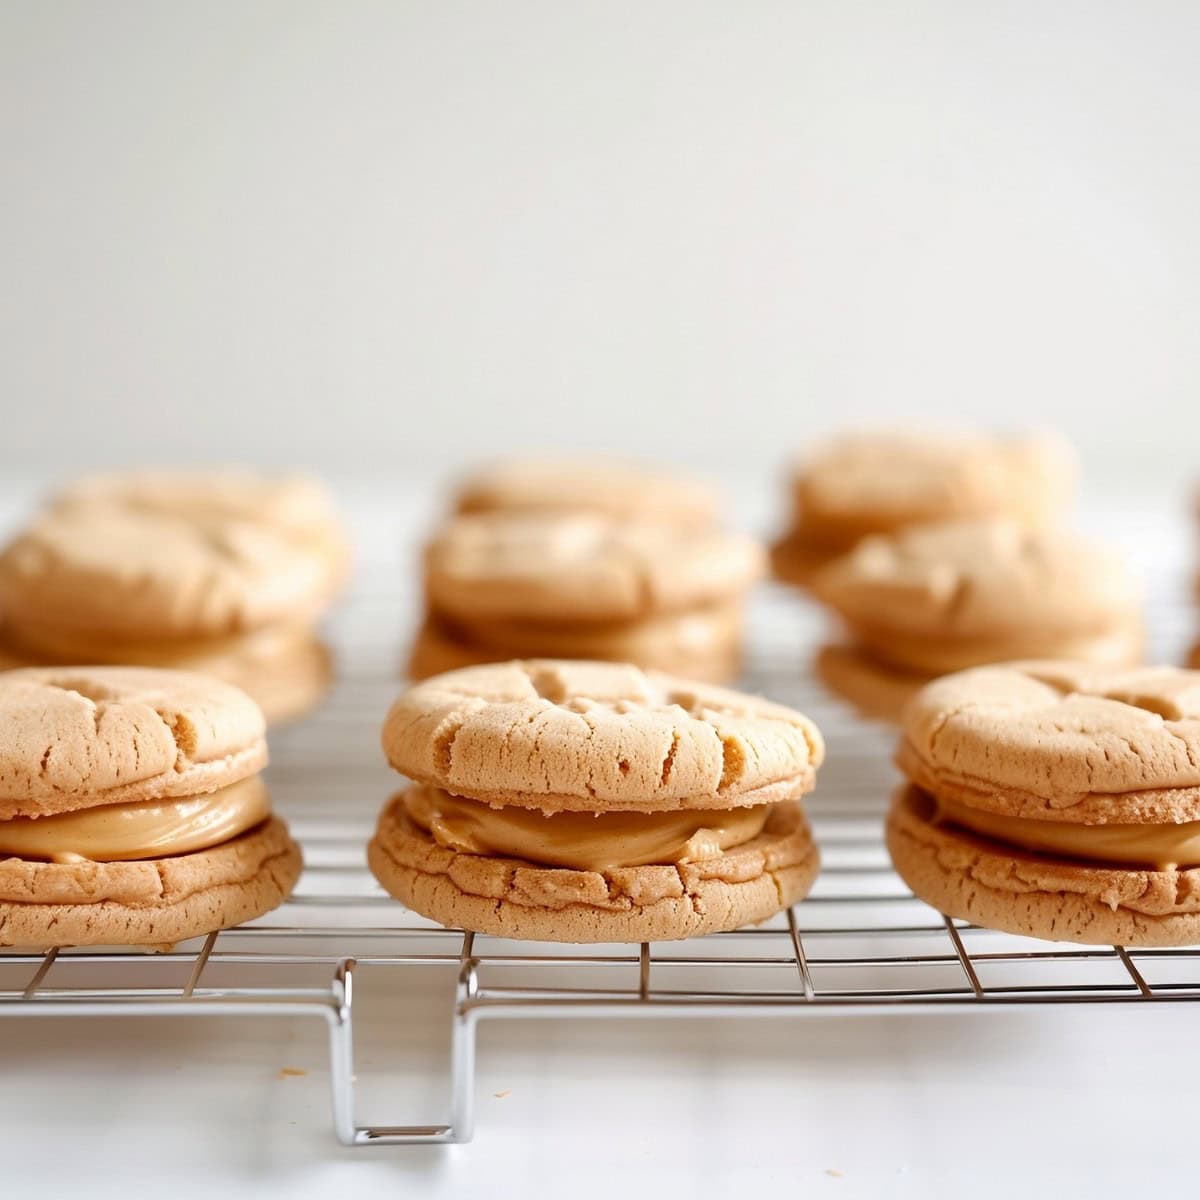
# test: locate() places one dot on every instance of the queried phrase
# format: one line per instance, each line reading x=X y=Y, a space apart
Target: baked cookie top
x=598 y=737
x=148 y=575
x=1060 y=741
x=76 y=737
x=286 y=502
x=873 y=482
x=582 y=567
x=981 y=578
x=587 y=485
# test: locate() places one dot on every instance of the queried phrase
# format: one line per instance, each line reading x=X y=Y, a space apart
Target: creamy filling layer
x=144 y=829
x=1162 y=847
x=581 y=841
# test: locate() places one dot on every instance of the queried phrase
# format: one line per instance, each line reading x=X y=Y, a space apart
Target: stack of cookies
x=1055 y=800
x=870 y=483
x=594 y=802
x=625 y=568
x=933 y=599
x=131 y=809
x=223 y=573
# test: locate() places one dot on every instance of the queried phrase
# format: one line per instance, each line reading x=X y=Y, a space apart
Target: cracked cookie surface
x=74 y=738
x=604 y=737
x=1064 y=741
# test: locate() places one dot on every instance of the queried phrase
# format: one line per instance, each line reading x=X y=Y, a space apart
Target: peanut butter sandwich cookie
x=590 y=485
x=868 y=483
x=131 y=809
x=594 y=802
x=1057 y=800
x=223 y=574
x=934 y=599
x=584 y=586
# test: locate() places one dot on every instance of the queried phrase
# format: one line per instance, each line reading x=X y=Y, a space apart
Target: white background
x=383 y=234
x=382 y=238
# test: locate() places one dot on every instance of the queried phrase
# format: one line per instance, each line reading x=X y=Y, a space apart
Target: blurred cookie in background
x=591 y=485
x=934 y=599
x=584 y=586
x=868 y=483
x=296 y=507
x=225 y=575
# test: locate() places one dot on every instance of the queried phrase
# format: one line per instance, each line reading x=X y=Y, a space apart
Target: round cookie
x=511 y=898
x=76 y=737
x=1001 y=887
x=938 y=598
x=150 y=577
x=598 y=737
x=76 y=740
x=867 y=483
x=588 y=485
x=581 y=568
x=1064 y=741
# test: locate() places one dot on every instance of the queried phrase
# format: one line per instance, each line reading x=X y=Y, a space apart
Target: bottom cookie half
x=151 y=903
x=870 y=687
x=1002 y=887
x=515 y=899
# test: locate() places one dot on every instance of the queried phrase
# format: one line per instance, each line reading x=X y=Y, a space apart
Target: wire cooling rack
x=860 y=943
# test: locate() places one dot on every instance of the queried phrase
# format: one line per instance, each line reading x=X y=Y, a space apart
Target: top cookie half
x=78 y=737
x=582 y=567
x=874 y=482
x=598 y=737
x=1060 y=741
x=592 y=485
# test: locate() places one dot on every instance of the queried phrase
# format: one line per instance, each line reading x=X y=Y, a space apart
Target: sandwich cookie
x=588 y=485
x=131 y=809
x=1056 y=800
x=207 y=577
x=869 y=483
x=934 y=599
x=594 y=802
x=584 y=586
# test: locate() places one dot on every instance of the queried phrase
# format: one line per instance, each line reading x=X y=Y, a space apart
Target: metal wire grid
x=860 y=943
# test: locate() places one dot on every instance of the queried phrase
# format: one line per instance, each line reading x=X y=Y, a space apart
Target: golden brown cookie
x=1060 y=740
x=565 y=485
x=578 y=801
x=867 y=483
x=581 y=568
x=598 y=737
x=131 y=809
x=939 y=598
x=220 y=573
x=1000 y=886
x=585 y=585
x=297 y=507
x=517 y=899
x=1059 y=800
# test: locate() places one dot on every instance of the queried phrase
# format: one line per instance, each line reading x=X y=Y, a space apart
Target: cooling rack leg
x=341 y=1061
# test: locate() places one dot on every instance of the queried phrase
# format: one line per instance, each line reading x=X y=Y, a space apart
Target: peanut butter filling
x=581 y=841
x=1162 y=847
x=145 y=829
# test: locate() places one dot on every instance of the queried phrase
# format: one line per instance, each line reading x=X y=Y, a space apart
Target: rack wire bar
x=859 y=944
